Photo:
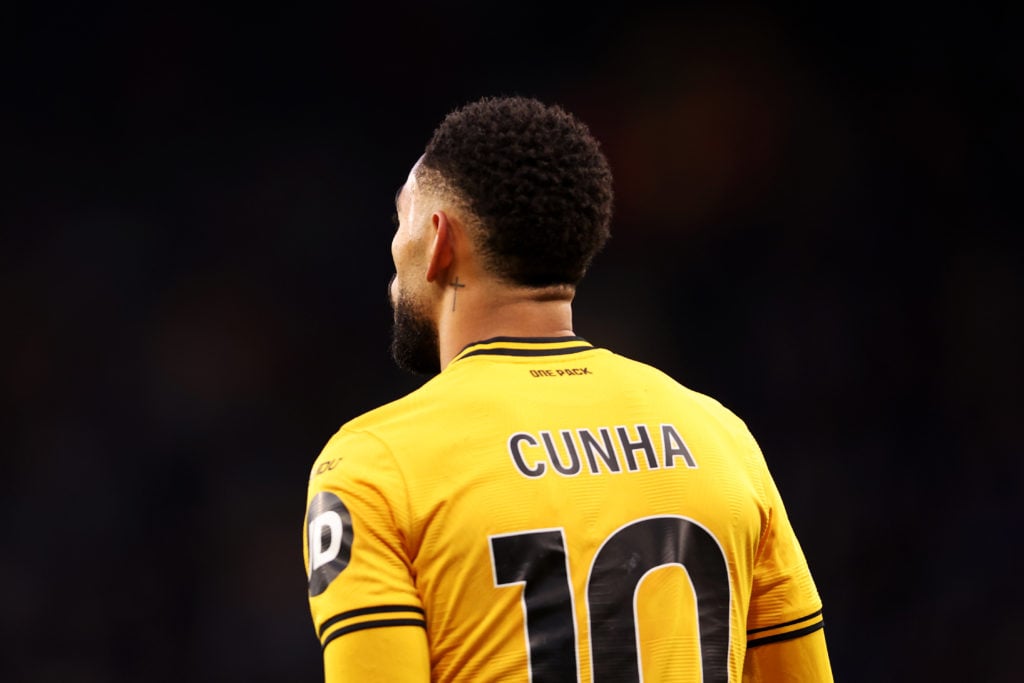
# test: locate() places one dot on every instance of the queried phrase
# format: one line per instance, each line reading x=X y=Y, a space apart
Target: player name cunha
x=570 y=452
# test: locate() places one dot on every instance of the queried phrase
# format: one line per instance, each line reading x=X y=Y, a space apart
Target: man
x=542 y=509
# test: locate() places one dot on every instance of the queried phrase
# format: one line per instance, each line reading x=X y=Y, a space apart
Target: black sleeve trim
x=784 y=624
x=379 y=609
x=372 y=624
x=786 y=636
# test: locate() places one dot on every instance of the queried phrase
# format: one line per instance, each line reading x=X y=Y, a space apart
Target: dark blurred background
x=813 y=225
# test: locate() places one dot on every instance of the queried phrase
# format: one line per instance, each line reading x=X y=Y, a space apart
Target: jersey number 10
x=538 y=561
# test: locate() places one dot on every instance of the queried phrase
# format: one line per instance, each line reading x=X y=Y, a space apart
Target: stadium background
x=813 y=225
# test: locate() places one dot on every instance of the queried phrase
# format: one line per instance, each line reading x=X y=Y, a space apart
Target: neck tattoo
x=457 y=285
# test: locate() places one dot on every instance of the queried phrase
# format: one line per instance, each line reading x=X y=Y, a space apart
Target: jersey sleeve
x=365 y=607
x=784 y=603
x=788 y=661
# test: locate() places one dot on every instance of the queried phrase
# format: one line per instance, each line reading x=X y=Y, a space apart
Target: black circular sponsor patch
x=329 y=539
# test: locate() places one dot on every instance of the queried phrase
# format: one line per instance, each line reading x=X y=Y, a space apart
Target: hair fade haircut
x=535 y=178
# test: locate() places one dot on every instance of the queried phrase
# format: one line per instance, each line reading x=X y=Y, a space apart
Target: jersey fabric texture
x=546 y=510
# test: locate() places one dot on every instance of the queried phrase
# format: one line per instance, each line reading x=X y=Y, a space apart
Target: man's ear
x=442 y=251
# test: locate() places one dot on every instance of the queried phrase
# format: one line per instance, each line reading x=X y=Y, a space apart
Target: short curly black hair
x=535 y=178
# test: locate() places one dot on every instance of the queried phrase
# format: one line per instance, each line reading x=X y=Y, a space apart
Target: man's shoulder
x=658 y=376
x=435 y=412
x=380 y=424
x=360 y=443
x=395 y=413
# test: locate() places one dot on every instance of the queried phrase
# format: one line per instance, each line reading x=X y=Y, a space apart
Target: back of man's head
x=536 y=182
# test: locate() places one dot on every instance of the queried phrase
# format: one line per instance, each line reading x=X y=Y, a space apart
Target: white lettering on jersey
x=330 y=522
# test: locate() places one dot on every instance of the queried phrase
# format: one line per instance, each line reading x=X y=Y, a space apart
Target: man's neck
x=472 y=313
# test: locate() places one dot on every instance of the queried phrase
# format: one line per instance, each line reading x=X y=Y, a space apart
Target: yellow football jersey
x=544 y=510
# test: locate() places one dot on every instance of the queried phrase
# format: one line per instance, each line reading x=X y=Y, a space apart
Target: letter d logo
x=329 y=540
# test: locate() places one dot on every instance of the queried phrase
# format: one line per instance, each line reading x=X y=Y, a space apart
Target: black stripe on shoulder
x=783 y=624
x=789 y=635
x=362 y=625
x=379 y=609
x=526 y=352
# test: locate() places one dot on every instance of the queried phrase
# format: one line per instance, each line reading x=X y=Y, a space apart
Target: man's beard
x=414 y=343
